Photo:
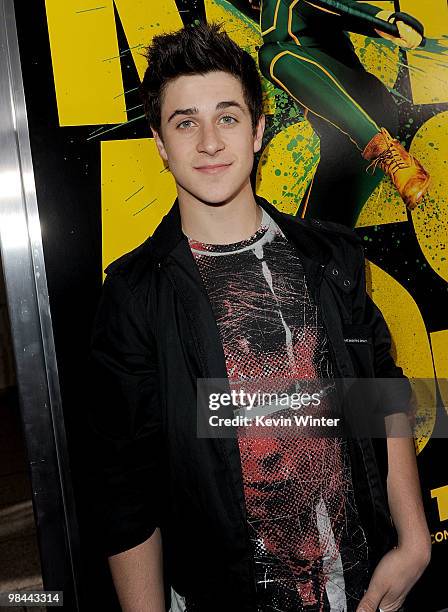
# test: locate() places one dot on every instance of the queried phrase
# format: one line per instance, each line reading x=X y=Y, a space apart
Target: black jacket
x=154 y=335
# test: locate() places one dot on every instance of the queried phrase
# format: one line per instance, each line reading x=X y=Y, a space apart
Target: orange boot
x=406 y=172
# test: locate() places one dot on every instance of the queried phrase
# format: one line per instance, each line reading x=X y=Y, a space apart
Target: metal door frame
x=31 y=327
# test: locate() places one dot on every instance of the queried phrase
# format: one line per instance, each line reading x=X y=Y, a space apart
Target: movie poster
x=102 y=188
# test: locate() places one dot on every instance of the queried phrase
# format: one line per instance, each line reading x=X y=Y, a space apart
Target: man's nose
x=210 y=140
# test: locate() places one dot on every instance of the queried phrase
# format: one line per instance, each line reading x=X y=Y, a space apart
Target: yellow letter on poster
x=87 y=81
x=430 y=146
x=411 y=348
x=142 y=20
x=137 y=191
x=441 y=494
x=86 y=57
x=428 y=71
x=439 y=342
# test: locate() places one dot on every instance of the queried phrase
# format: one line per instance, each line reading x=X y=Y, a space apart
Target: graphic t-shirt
x=309 y=549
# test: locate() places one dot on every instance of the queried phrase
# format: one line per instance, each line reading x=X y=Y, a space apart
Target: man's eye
x=228 y=120
x=185 y=124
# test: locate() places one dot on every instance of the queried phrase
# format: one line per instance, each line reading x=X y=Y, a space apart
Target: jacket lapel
x=186 y=278
x=190 y=288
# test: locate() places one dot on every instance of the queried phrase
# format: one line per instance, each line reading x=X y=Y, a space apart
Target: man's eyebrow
x=227 y=103
x=183 y=111
x=194 y=110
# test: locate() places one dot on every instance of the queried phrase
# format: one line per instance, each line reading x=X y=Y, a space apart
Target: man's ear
x=159 y=144
x=258 y=135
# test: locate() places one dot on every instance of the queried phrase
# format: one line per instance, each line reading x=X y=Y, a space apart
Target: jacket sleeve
x=124 y=420
x=394 y=386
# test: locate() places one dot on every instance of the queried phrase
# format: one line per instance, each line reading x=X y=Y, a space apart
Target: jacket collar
x=167 y=234
x=306 y=235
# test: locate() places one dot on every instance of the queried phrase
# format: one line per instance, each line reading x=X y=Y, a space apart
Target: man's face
x=206 y=136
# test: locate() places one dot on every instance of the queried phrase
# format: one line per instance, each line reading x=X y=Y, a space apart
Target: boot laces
x=389 y=160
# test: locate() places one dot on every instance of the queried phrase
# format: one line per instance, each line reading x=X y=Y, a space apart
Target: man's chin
x=214 y=197
x=217 y=200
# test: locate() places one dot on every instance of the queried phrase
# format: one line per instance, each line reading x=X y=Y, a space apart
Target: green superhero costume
x=307 y=52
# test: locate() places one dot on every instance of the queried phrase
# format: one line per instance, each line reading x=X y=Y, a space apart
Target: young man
x=230 y=288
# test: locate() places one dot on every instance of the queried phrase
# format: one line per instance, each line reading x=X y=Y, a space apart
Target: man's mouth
x=213 y=168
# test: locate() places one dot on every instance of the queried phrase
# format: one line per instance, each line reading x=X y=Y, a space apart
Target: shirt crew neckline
x=205 y=247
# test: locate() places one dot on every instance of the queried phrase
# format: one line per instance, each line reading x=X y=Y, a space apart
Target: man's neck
x=231 y=221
